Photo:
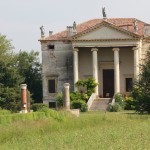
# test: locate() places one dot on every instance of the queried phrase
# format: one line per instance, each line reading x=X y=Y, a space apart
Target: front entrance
x=108 y=83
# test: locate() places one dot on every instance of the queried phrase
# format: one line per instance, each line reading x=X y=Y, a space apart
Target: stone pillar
x=75 y=67
x=136 y=63
x=66 y=96
x=116 y=70
x=95 y=67
x=24 y=97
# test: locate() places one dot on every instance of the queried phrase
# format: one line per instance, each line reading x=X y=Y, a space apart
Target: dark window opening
x=129 y=84
x=52 y=104
x=51 y=47
x=51 y=86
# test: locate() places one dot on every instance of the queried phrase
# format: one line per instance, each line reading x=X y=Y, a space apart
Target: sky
x=20 y=20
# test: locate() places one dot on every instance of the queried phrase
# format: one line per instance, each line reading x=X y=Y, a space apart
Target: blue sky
x=20 y=19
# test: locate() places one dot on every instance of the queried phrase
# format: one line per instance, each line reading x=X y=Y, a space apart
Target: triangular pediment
x=105 y=31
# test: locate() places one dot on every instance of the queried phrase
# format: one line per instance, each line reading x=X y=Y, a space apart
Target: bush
x=38 y=106
x=119 y=100
x=79 y=104
x=114 y=107
x=130 y=103
x=90 y=85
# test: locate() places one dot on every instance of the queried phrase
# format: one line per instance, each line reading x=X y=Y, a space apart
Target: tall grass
x=92 y=130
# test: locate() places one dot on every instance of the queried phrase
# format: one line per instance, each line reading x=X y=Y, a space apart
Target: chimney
x=50 y=33
x=69 y=31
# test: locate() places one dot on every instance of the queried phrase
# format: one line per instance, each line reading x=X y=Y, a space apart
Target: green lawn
x=91 y=131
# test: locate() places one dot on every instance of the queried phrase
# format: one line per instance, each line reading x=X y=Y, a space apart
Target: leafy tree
x=29 y=68
x=16 y=69
x=9 y=77
x=141 y=90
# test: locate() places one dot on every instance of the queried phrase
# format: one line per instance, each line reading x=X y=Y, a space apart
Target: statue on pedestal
x=42 y=31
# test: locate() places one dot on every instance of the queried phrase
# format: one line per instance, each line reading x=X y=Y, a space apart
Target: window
x=52 y=86
x=128 y=84
x=51 y=47
x=52 y=104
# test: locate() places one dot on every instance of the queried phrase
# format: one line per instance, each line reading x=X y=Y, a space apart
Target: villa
x=108 y=49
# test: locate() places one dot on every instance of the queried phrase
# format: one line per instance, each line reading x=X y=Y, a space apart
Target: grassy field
x=91 y=131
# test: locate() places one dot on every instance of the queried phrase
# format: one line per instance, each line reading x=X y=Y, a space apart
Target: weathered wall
x=56 y=64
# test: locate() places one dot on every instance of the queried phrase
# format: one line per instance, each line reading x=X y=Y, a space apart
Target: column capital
x=75 y=49
x=94 y=49
x=135 y=48
x=116 y=49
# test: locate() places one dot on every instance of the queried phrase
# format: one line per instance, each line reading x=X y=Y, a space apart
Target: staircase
x=100 y=104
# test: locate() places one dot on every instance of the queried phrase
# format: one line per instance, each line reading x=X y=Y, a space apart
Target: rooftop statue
x=104 y=12
x=42 y=31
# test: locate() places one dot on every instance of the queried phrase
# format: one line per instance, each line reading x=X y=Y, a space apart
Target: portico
x=106 y=58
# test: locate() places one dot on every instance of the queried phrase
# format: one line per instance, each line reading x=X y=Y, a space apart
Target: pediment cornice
x=104 y=23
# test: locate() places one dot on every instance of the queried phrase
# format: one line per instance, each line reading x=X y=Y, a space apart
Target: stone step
x=100 y=104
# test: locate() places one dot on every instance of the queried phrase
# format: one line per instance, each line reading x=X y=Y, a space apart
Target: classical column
x=116 y=70
x=75 y=66
x=95 y=67
x=136 y=62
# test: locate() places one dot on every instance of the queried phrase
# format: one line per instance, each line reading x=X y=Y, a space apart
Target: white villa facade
x=110 y=50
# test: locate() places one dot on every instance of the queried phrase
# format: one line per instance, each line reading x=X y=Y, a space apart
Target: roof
x=124 y=23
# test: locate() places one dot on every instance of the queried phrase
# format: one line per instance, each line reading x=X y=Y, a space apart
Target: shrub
x=38 y=106
x=129 y=103
x=114 y=107
x=120 y=100
x=79 y=104
x=90 y=85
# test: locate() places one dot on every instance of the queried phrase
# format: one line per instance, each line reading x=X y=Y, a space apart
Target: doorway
x=108 y=83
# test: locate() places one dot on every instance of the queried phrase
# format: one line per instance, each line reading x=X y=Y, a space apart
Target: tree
x=16 y=69
x=141 y=90
x=10 y=79
x=29 y=68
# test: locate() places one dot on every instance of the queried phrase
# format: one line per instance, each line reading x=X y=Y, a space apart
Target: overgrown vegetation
x=43 y=112
x=92 y=130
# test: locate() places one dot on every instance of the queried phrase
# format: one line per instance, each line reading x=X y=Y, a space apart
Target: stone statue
x=135 y=25
x=74 y=25
x=42 y=31
x=104 y=13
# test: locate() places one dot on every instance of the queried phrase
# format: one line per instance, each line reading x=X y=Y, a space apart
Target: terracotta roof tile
x=126 y=23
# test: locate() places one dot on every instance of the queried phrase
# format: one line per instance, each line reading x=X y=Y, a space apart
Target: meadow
x=90 y=131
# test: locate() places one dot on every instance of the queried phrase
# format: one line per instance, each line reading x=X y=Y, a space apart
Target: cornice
x=87 y=40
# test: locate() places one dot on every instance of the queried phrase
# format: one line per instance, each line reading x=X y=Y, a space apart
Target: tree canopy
x=15 y=69
x=141 y=90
